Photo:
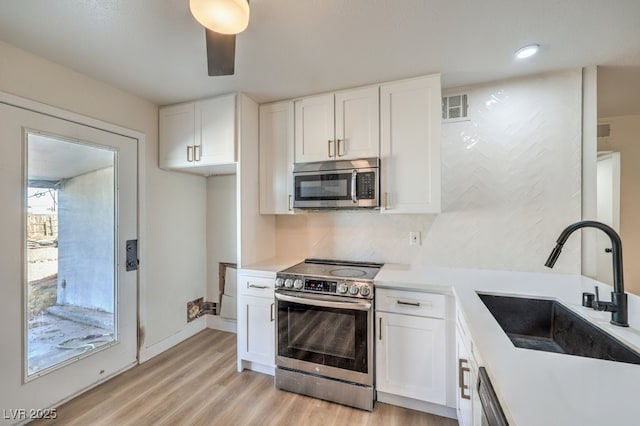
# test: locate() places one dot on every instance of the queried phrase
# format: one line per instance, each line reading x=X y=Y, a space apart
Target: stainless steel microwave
x=342 y=184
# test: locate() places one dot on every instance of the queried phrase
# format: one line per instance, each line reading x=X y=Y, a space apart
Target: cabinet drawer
x=255 y=286
x=411 y=303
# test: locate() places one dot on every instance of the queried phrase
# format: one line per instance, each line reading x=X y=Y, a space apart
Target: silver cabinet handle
x=384 y=201
x=416 y=304
x=271 y=312
x=190 y=153
x=197 y=152
x=341 y=142
x=290 y=205
x=461 y=371
x=258 y=286
x=380 y=329
x=354 y=189
x=329 y=148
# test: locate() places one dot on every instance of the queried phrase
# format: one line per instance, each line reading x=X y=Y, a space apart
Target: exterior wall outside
x=511 y=179
x=85 y=241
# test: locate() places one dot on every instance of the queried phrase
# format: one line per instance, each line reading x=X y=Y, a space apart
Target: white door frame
x=37 y=107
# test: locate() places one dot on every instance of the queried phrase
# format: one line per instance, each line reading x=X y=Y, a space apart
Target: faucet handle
x=587 y=300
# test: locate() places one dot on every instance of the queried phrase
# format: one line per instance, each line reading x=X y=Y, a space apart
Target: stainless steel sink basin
x=546 y=325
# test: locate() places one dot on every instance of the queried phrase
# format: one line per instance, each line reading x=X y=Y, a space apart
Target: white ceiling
x=155 y=49
x=54 y=159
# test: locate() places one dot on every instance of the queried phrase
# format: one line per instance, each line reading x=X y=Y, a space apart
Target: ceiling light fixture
x=221 y=16
x=527 y=51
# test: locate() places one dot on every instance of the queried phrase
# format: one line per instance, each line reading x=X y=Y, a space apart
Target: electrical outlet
x=414 y=238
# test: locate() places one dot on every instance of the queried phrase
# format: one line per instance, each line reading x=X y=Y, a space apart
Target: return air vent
x=454 y=108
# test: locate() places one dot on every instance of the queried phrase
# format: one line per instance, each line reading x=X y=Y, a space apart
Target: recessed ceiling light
x=527 y=51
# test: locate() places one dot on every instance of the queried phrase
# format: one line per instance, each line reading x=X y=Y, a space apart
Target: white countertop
x=271 y=266
x=535 y=387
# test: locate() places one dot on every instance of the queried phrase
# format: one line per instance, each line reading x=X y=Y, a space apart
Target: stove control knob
x=279 y=282
x=365 y=290
x=342 y=288
x=297 y=284
x=288 y=283
x=353 y=290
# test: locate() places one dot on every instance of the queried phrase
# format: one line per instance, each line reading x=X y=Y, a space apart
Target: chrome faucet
x=618 y=304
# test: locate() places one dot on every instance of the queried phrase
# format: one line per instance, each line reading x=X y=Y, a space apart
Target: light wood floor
x=196 y=383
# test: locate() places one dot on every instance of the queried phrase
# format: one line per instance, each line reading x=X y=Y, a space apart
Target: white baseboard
x=414 y=404
x=191 y=329
x=216 y=322
x=260 y=368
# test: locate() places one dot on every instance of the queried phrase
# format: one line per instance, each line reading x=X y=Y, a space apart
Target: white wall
x=175 y=204
x=221 y=228
x=511 y=182
x=625 y=139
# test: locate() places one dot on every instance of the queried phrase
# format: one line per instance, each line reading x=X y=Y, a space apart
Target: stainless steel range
x=324 y=330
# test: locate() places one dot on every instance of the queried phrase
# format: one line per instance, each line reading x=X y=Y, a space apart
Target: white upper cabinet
x=340 y=126
x=314 y=134
x=216 y=119
x=410 y=115
x=177 y=136
x=276 y=158
x=199 y=137
x=357 y=123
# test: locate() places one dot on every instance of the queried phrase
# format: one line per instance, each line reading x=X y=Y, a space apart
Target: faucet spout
x=618 y=304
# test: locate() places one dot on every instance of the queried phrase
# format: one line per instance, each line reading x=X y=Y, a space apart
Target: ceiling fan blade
x=221 y=52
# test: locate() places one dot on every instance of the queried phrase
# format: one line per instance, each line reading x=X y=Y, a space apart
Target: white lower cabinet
x=469 y=408
x=413 y=344
x=258 y=343
x=411 y=359
x=256 y=322
x=465 y=388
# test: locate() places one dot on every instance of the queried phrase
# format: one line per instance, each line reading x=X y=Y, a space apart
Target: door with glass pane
x=72 y=192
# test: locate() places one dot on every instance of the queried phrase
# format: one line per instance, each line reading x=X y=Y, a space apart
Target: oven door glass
x=329 y=186
x=322 y=335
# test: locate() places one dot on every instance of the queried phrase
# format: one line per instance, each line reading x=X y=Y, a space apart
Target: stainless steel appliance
x=324 y=331
x=343 y=184
x=492 y=414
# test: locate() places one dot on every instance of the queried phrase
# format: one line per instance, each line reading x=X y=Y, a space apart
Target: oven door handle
x=312 y=301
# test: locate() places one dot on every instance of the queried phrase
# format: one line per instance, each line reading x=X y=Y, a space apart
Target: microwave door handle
x=309 y=300
x=354 y=195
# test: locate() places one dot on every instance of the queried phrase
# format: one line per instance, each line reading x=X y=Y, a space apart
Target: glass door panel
x=71 y=250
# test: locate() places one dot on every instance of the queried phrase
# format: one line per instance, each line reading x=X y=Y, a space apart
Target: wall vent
x=455 y=108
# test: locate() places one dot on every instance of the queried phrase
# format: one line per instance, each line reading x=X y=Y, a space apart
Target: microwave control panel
x=366 y=183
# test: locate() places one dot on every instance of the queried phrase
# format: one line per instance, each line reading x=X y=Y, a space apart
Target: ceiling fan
x=222 y=19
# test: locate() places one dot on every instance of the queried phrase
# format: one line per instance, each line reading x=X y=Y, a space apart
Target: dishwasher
x=492 y=414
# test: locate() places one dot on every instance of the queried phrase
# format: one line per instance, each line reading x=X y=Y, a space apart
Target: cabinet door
x=411 y=357
x=276 y=158
x=215 y=123
x=464 y=388
x=314 y=134
x=357 y=123
x=256 y=329
x=410 y=145
x=177 y=136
